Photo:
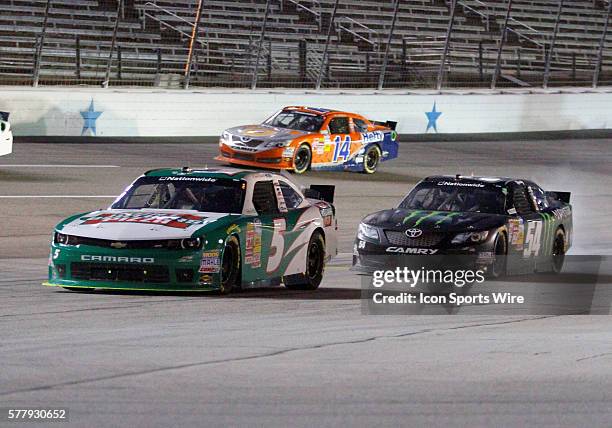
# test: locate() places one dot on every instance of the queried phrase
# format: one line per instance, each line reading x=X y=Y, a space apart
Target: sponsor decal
x=516 y=232
x=252 y=254
x=288 y=152
x=361 y=245
x=178 y=221
x=210 y=262
x=408 y=250
x=460 y=184
x=257 y=131
x=118 y=245
x=561 y=213
x=233 y=228
x=372 y=137
x=318 y=146
x=486 y=256
x=414 y=233
x=117 y=259
x=186 y=259
x=187 y=179
x=206 y=279
x=282 y=206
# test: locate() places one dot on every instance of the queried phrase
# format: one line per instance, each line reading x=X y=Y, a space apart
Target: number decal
x=342 y=148
x=277 y=246
x=533 y=239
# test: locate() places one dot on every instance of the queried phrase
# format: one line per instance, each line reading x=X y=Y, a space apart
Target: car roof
x=215 y=172
x=319 y=111
x=474 y=179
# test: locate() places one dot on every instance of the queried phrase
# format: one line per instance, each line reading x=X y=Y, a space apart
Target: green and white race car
x=199 y=229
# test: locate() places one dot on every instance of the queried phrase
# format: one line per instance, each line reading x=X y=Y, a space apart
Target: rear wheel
x=558 y=252
x=230 y=266
x=315 y=265
x=371 y=159
x=302 y=159
x=498 y=268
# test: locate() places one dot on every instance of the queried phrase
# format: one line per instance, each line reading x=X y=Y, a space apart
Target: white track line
x=53 y=196
x=59 y=166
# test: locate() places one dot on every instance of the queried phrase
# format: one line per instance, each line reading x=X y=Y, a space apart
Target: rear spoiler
x=388 y=124
x=560 y=196
x=4 y=115
x=323 y=192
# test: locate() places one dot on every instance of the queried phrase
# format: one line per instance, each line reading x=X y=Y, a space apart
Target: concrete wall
x=149 y=112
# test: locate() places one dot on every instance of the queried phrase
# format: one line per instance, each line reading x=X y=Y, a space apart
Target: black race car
x=500 y=225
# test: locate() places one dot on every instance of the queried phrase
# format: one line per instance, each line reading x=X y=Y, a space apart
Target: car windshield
x=455 y=196
x=300 y=121
x=184 y=193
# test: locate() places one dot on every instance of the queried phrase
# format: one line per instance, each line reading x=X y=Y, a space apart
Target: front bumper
x=114 y=269
x=369 y=257
x=275 y=158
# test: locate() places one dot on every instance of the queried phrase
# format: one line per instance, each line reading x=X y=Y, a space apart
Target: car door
x=343 y=139
x=264 y=234
x=523 y=207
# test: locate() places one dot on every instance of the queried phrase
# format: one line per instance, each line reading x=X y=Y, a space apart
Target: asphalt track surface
x=282 y=358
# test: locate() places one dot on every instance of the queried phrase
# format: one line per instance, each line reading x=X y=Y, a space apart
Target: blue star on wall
x=89 y=117
x=432 y=117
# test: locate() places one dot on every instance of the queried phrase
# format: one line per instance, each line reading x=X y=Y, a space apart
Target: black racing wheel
x=302 y=159
x=230 y=266
x=371 y=159
x=558 y=251
x=315 y=265
x=498 y=268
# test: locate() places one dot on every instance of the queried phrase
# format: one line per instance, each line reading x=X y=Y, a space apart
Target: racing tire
x=498 y=267
x=315 y=265
x=558 y=251
x=371 y=159
x=230 y=267
x=302 y=159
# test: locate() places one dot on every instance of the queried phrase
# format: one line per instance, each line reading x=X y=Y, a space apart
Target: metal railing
x=122 y=49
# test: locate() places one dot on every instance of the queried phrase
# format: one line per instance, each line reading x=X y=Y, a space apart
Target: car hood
x=262 y=133
x=142 y=224
x=443 y=221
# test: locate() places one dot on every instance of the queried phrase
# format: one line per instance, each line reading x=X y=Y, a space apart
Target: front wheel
x=498 y=268
x=302 y=159
x=371 y=159
x=230 y=266
x=315 y=265
x=558 y=252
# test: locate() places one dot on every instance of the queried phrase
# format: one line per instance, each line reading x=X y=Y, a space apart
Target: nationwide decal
x=210 y=262
x=252 y=254
x=211 y=179
x=460 y=184
x=407 y=250
x=116 y=259
x=178 y=221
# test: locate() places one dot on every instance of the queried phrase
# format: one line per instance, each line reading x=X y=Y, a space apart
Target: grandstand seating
x=296 y=31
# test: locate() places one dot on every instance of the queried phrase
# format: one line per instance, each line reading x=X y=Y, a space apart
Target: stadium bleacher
x=153 y=40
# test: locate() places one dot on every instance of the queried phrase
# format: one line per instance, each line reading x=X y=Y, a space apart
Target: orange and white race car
x=302 y=138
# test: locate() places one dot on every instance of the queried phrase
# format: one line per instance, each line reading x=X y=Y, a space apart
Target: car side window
x=292 y=198
x=540 y=197
x=339 y=125
x=264 y=199
x=360 y=125
x=520 y=200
